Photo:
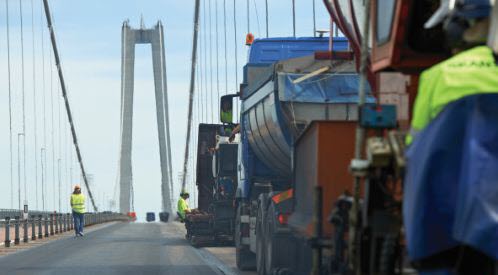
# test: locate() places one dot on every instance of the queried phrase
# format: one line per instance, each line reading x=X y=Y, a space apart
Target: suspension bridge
x=52 y=128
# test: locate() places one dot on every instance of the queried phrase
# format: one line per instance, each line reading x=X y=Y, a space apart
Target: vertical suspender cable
x=211 y=63
x=236 y=55
x=257 y=15
x=248 y=17
x=191 y=92
x=43 y=154
x=35 y=102
x=225 y=42
x=266 y=12
x=52 y=128
x=10 y=104
x=314 y=19
x=217 y=62
x=294 y=17
x=205 y=61
x=59 y=156
x=23 y=103
x=201 y=78
x=66 y=101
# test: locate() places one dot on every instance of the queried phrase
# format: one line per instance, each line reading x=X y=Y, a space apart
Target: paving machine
x=213 y=222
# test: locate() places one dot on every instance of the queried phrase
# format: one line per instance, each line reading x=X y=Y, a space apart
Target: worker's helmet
x=184 y=193
x=77 y=187
x=461 y=20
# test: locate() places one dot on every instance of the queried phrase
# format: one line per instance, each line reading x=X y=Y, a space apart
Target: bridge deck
x=122 y=248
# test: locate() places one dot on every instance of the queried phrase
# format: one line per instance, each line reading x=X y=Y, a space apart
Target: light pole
x=59 y=180
x=19 y=169
x=42 y=157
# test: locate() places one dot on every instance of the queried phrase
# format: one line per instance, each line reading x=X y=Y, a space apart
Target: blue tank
x=276 y=107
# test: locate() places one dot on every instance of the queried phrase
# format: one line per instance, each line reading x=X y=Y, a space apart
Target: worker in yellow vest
x=183 y=207
x=472 y=70
x=78 y=207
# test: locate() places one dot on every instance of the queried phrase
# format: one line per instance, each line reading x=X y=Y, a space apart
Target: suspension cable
x=314 y=19
x=66 y=101
x=23 y=104
x=43 y=153
x=217 y=63
x=225 y=42
x=257 y=15
x=204 y=18
x=191 y=92
x=236 y=56
x=35 y=102
x=199 y=78
x=266 y=12
x=59 y=143
x=248 y=17
x=294 y=17
x=52 y=127
x=10 y=104
x=211 y=63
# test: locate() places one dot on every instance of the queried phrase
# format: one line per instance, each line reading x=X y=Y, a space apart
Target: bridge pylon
x=130 y=37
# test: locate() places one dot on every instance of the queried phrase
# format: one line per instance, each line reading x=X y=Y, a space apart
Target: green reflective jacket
x=470 y=72
x=182 y=206
x=226 y=116
x=78 y=203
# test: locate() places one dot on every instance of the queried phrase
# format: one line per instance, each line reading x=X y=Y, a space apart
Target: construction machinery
x=413 y=207
x=213 y=222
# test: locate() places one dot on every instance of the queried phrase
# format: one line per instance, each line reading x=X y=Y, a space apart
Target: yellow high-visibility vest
x=182 y=206
x=78 y=203
x=468 y=73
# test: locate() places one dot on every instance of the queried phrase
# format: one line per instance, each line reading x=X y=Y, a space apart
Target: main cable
x=66 y=101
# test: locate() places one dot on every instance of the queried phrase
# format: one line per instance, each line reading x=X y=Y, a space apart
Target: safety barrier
x=45 y=224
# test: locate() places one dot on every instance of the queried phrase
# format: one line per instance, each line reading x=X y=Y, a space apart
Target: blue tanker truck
x=288 y=83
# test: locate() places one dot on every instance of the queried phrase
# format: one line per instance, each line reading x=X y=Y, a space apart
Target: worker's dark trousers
x=79 y=222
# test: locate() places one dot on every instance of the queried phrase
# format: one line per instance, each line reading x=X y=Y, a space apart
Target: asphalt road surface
x=122 y=248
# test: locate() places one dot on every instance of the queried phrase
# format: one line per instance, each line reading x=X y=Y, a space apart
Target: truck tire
x=389 y=255
x=275 y=261
x=244 y=258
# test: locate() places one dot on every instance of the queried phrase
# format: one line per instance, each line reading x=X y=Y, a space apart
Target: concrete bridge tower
x=155 y=37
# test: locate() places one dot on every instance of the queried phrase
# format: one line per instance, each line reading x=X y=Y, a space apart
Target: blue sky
x=89 y=37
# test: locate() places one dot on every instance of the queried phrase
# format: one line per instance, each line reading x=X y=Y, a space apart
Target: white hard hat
x=445 y=7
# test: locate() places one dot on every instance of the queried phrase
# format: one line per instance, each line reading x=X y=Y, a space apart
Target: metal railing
x=45 y=224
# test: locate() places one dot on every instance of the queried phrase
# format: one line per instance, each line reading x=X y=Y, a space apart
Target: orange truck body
x=321 y=158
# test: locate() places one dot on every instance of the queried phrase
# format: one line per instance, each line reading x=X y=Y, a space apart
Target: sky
x=89 y=40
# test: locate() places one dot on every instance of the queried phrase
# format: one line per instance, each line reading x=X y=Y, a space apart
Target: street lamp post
x=19 y=169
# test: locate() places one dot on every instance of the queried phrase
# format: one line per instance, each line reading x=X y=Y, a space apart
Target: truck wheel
x=260 y=243
x=276 y=262
x=244 y=258
x=389 y=255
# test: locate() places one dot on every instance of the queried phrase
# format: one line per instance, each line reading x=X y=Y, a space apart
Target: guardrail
x=45 y=224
